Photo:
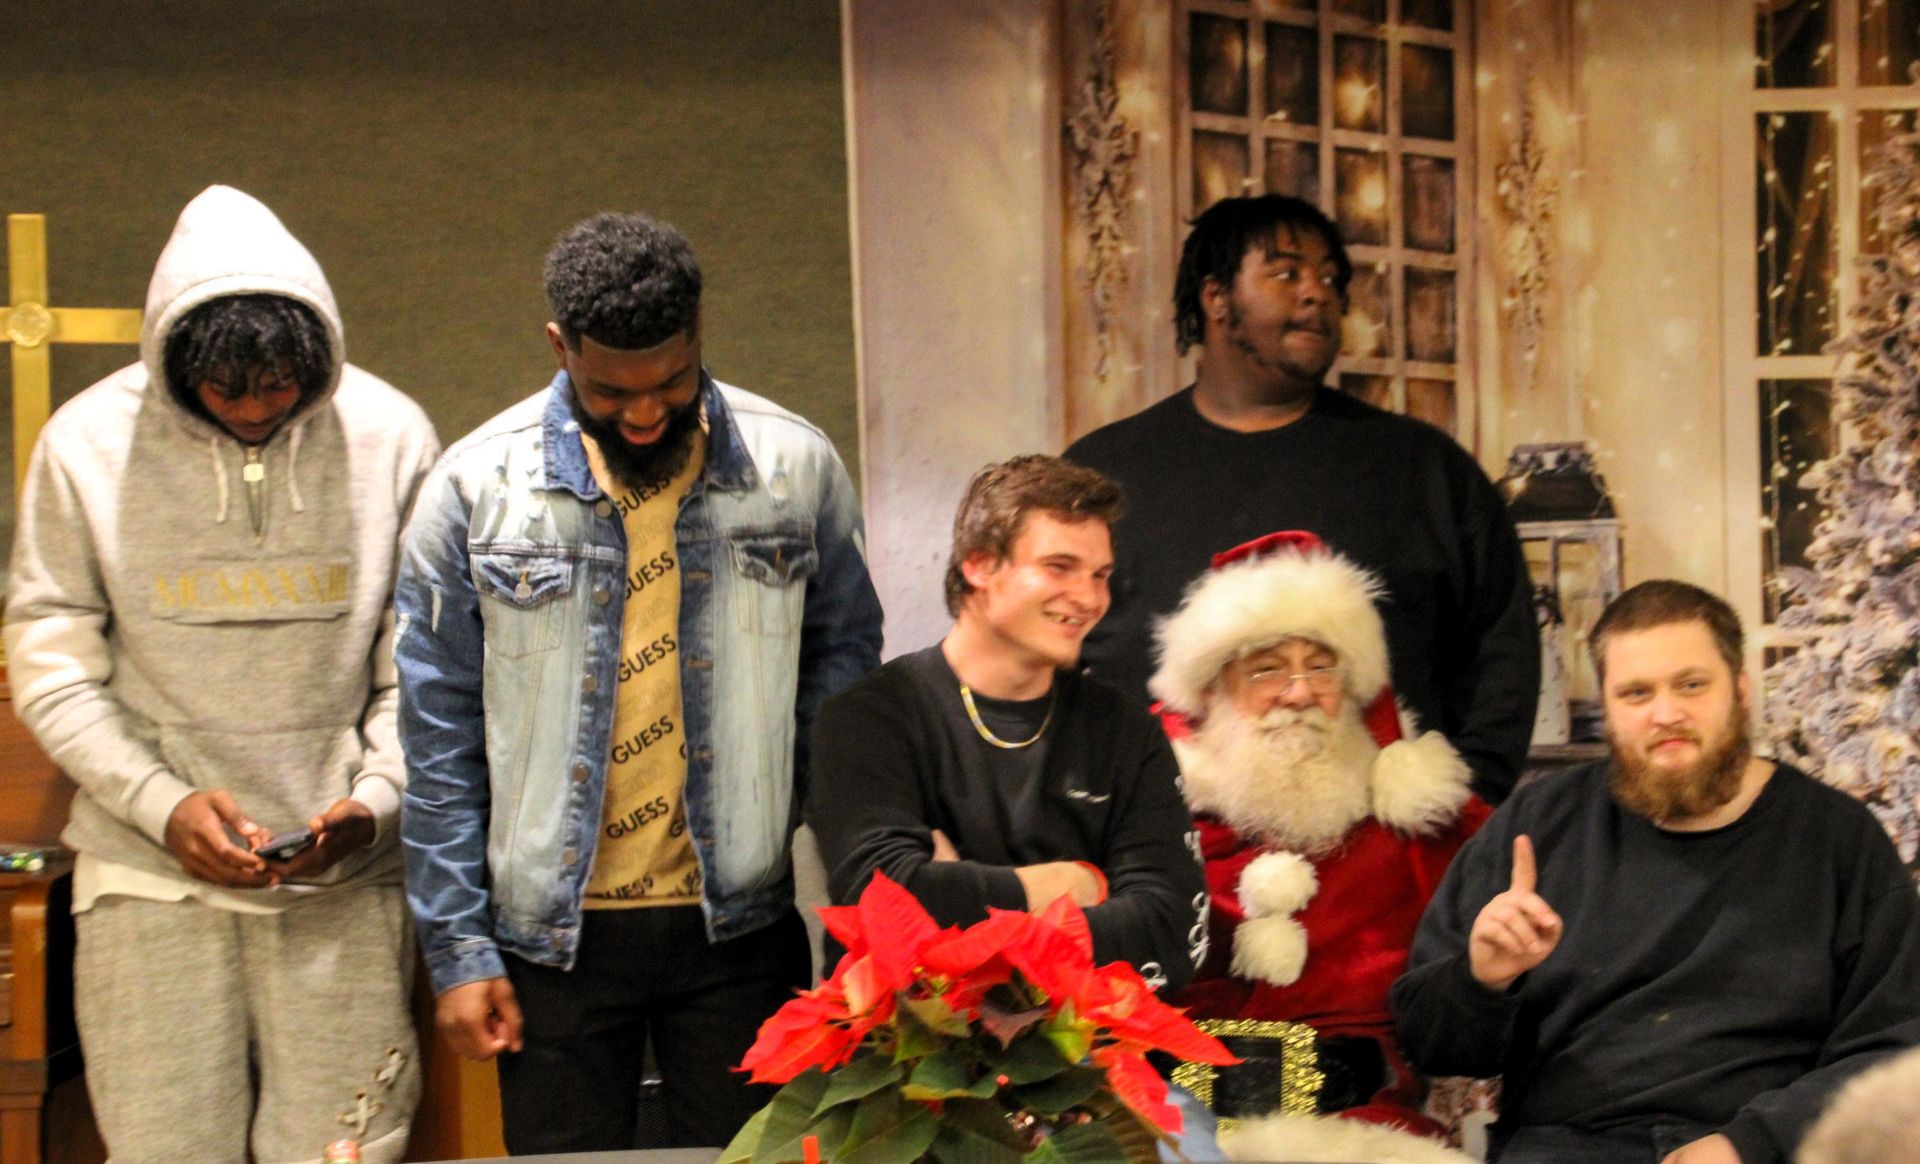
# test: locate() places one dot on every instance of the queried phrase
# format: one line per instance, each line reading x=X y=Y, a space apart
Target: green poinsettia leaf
x=746 y=1142
x=829 y=1129
x=1139 y=1139
x=861 y=1077
x=1030 y=1059
x=887 y=1129
x=937 y=1016
x=958 y=1144
x=986 y=1118
x=948 y=1074
x=1069 y=1033
x=785 y=1119
x=1070 y=1088
x=913 y=1038
x=1089 y=1143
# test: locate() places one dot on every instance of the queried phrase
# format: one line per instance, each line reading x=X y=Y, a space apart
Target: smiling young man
x=987 y=771
x=1678 y=954
x=622 y=601
x=199 y=632
x=1259 y=443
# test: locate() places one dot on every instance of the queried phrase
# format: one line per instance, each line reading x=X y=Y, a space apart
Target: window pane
x=1798 y=266
x=1877 y=127
x=1219 y=167
x=1365 y=331
x=1432 y=332
x=1793 y=41
x=1889 y=42
x=1432 y=401
x=1426 y=92
x=1360 y=196
x=1217 y=66
x=1293 y=167
x=1429 y=209
x=1428 y=13
x=1359 y=83
x=1796 y=431
x=1375 y=390
x=1375 y=10
x=1293 y=74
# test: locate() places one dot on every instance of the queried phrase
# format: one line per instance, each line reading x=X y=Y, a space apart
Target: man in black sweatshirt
x=988 y=771
x=1258 y=443
x=1675 y=955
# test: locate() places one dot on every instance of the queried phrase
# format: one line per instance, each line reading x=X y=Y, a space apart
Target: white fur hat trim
x=1271 y=949
x=1257 y=602
x=1330 y=1140
x=1277 y=883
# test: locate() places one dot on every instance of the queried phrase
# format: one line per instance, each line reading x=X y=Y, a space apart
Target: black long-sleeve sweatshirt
x=1733 y=978
x=1395 y=495
x=895 y=757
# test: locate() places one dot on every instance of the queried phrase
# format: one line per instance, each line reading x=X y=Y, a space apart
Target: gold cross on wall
x=31 y=326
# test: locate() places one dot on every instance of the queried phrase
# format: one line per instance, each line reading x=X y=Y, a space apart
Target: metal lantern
x=1571 y=539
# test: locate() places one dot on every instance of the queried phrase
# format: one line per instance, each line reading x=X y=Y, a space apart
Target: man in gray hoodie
x=198 y=628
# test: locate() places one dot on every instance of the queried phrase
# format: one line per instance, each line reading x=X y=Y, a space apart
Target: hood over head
x=228 y=243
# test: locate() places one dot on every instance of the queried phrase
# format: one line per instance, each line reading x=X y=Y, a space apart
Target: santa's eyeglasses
x=1274 y=681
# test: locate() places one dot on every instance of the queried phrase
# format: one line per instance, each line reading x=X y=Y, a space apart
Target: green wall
x=429 y=153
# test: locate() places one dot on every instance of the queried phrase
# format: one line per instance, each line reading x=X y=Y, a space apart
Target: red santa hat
x=1281 y=586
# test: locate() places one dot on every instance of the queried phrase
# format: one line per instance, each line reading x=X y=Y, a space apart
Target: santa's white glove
x=1269 y=945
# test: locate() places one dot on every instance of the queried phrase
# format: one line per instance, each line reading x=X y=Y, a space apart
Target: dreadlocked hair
x=223 y=340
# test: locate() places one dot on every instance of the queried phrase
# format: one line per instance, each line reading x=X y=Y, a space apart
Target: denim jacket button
x=589 y=684
x=580 y=773
x=603 y=508
x=602 y=596
x=558 y=940
x=571 y=857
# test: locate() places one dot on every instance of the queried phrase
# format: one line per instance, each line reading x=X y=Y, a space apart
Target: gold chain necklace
x=973 y=713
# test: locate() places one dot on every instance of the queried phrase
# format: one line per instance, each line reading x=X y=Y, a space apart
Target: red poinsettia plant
x=1001 y=1042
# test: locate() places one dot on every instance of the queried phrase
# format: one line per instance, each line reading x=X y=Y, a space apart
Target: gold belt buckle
x=1300 y=1074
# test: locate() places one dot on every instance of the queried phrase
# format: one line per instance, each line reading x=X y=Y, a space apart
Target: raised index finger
x=1523 y=871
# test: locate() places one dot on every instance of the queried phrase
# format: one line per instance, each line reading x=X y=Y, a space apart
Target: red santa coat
x=1359 y=926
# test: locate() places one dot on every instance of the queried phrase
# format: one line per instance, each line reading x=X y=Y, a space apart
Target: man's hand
x=943 y=849
x=346 y=827
x=479 y=1019
x=1516 y=930
x=197 y=838
x=1714 y=1149
x=1073 y=879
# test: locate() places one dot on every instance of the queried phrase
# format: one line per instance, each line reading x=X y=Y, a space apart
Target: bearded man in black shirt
x=988 y=771
x=1258 y=443
x=1678 y=954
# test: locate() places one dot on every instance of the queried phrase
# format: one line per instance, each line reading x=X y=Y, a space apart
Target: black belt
x=1284 y=1067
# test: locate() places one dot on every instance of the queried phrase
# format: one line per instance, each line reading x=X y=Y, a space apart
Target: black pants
x=644 y=973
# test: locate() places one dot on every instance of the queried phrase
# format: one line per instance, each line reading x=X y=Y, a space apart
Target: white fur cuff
x=1271 y=949
x=1419 y=784
x=1277 y=883
x=1329 y=1140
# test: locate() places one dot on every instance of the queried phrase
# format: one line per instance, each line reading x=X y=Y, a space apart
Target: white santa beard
x=1299 y=780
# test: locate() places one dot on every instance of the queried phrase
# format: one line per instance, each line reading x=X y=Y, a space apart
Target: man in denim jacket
x=620 y=602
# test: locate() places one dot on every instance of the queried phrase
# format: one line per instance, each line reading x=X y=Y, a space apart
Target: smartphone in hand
x=284 y=845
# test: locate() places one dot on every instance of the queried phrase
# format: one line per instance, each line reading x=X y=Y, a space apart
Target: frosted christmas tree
x=1846 y=704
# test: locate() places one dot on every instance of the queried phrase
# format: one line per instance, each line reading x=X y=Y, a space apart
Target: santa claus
x=1326 y=820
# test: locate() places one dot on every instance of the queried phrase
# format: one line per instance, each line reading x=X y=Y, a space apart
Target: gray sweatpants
x=204 y=1029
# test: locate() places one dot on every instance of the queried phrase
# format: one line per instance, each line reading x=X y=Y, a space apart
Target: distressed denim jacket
x=510 y=594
